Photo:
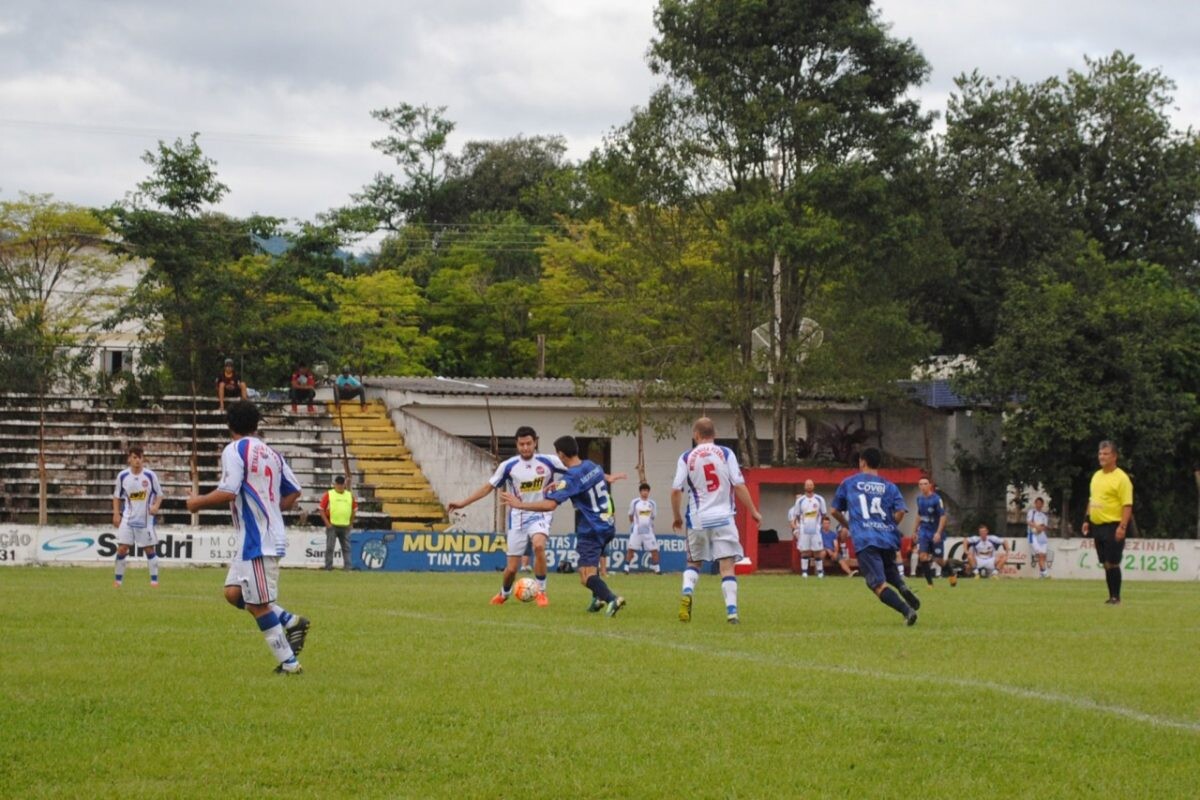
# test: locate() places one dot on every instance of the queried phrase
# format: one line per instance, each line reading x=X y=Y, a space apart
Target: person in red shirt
x=304 y=387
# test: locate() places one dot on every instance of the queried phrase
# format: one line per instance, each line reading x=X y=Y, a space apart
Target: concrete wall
x=454 y=468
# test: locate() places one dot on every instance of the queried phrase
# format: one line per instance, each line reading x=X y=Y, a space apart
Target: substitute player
x=526 y=474
x=642 y=513
x=931 y=533
x=986 y=554
x=257 y=485
x=807 y=514
x=135 y=501
x=710 y=476
x=871 y=506
x=587 y=487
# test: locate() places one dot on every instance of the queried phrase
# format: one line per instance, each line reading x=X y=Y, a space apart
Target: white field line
x=1073 y=701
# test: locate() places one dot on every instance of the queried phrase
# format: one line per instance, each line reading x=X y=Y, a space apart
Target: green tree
x=1092 y=350
x=795 y=123
x=1023 y=168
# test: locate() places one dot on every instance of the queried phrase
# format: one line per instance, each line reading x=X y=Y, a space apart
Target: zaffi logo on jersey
x=534 y=485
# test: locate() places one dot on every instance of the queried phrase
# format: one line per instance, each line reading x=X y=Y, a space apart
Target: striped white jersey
x=643 y=513
x=707 y=474
x=259 y=478
x=985 y=546
x=529 y=481
x=808 y=512
x=137 y=492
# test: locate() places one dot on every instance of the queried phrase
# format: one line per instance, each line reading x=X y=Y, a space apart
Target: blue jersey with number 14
x=869 y=502
x=584 y=485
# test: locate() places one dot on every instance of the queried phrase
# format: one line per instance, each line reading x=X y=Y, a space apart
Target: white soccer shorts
x=811 y=541
x=258 y=577
x=986 y=563
x=710 y=544
x=528 y=525
x=643 y=541
x=1038 y=545
x=137 y=537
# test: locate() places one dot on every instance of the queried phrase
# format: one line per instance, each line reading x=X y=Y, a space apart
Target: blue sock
x=267 y=621
x=600 y=588
x=889 y=597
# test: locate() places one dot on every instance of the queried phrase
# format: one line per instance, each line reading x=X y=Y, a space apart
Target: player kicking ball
x=586 y=486
x=258 y=485
x=136 y=499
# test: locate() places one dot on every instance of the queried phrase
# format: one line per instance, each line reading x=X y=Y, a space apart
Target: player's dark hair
x=567 y=446
x=872 y=456
x=642 y=486
x=243 y=417
x=525 y=430
x=135 y=450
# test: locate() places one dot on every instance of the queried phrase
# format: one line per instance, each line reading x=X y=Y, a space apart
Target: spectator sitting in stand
x=303 y=388
x=350 y=387
x=229 y=384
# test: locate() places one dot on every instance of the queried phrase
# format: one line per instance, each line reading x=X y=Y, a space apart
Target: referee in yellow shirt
x=1110 y=507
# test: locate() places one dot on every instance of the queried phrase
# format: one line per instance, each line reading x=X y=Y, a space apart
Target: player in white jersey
x=525 y=475
x=642 y=512
x=986 y=553
x=136 y=498
x=710 y=476
x=1035 y=528
x=806 y=515
x=257 y=485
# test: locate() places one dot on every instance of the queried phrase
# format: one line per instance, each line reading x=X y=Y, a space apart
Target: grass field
x=415 y=687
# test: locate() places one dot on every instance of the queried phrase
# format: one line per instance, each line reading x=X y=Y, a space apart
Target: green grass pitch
x=415 y=687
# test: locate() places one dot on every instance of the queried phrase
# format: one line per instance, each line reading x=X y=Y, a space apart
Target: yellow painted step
x=387 y=450
x=374 y=467
x=380 y=436
x=416 y=493
x=427 y=511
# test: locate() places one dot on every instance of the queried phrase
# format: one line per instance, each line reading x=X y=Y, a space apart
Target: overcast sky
x=281 y=90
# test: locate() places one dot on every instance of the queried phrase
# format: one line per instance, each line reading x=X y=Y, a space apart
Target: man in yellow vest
x=1109 y=511
x=337 y=510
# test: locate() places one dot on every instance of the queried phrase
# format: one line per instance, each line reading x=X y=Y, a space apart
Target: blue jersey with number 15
x=869 y=502
x=584 y=485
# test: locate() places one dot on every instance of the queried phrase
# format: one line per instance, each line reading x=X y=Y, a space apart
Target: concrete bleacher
x=86 y=438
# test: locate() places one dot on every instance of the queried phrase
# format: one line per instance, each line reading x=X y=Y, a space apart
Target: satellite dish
x=809 y=337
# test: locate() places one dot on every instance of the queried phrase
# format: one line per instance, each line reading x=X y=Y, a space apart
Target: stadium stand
x=86 y=436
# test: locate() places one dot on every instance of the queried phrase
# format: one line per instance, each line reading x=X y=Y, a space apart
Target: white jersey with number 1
x=707 y=474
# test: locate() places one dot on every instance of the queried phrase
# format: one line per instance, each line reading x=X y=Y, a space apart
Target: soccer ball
x=526 y=590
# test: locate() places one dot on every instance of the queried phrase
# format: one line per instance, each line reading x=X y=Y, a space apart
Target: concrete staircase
x=387 y=466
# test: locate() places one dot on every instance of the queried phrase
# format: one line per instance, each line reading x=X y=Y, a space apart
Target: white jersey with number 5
x=259 y=478
x=707 y=474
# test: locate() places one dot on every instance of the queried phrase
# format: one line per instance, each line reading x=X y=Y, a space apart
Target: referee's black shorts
x=1108 y=549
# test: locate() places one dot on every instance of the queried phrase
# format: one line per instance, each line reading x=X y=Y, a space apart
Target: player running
x=587 y=487
x=258 y=486
x=871 y=506
x=642 y=513
x=931 y=533
x=135 y=501
x=711 y=477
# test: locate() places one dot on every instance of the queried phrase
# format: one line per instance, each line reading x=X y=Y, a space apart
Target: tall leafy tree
x=795 y=121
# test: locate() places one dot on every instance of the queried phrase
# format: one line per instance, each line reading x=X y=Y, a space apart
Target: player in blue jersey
x=257 y=485
x=871 y=506
x=586 y=486
x=931 y=533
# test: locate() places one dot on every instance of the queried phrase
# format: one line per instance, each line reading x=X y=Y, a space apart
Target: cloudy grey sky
x=281 y=89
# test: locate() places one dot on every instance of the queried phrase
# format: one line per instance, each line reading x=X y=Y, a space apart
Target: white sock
x=541 y=585
x=277 y=641
x=690 y=578
x=729 y=592
x=804 y=566
x=820 y=568
x=120 y=570
x=153 y=562
x=654 y=568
